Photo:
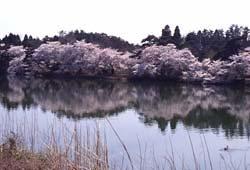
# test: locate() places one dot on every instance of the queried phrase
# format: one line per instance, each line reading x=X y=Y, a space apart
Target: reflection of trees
x=75 y=98
x=215 y=119
x=216 y=108
x=226 y=108
x=14 y=94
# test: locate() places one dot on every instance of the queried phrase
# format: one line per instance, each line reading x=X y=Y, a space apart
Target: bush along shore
x=155 y=61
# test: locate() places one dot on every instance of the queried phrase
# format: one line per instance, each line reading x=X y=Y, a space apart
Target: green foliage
x=218 y=44
x=177 y=36
x=29 y=41
x=11 y=39
x=103 y=40
x=166 y=36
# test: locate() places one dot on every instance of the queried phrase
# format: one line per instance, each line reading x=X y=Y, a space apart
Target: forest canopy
x=205 y=43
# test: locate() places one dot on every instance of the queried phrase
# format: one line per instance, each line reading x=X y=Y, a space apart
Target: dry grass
x=15 y=156
x=72 y=152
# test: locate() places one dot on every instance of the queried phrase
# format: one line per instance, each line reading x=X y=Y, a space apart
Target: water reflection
x=215 y=108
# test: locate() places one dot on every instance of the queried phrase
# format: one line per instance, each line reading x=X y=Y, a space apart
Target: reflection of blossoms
x=75 y=98
x=167 y=62
x=90 y=97
x=180 y=101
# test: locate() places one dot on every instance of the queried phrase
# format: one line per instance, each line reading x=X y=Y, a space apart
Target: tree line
x=103 y=40
x=204 y=43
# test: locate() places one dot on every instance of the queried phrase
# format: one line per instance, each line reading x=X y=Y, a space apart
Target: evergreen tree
x=25 y=40
x=165 y=36
x=218 y=40
x=193 y=42
x=149 y=40
x=234 y=32
x=177 y=36
x=12 y=39
x=245 y=33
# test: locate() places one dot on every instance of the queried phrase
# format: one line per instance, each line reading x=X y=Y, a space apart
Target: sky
x=131 y=20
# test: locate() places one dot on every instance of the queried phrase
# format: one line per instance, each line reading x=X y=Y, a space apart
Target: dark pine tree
x=25 y=41
x=149 y=40
x=12 y=39
x=193 y=42
x=177 y=37
x=29 y=41
x=166 y=36
x=246 y=33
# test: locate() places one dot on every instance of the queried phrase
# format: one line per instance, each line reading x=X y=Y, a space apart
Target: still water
x=152 y=119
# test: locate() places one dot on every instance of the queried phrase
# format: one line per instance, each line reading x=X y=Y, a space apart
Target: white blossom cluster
x=164 y=61
x=17 y=51
x=167 y=62
x=17 y=63
x=80 y=58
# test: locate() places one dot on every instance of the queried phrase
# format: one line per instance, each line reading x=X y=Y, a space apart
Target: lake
x=159 y=123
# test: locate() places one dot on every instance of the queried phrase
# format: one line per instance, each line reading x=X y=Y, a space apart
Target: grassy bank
x=73 y=154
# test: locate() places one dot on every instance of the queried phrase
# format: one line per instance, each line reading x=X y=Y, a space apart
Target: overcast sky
x=132 y=20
